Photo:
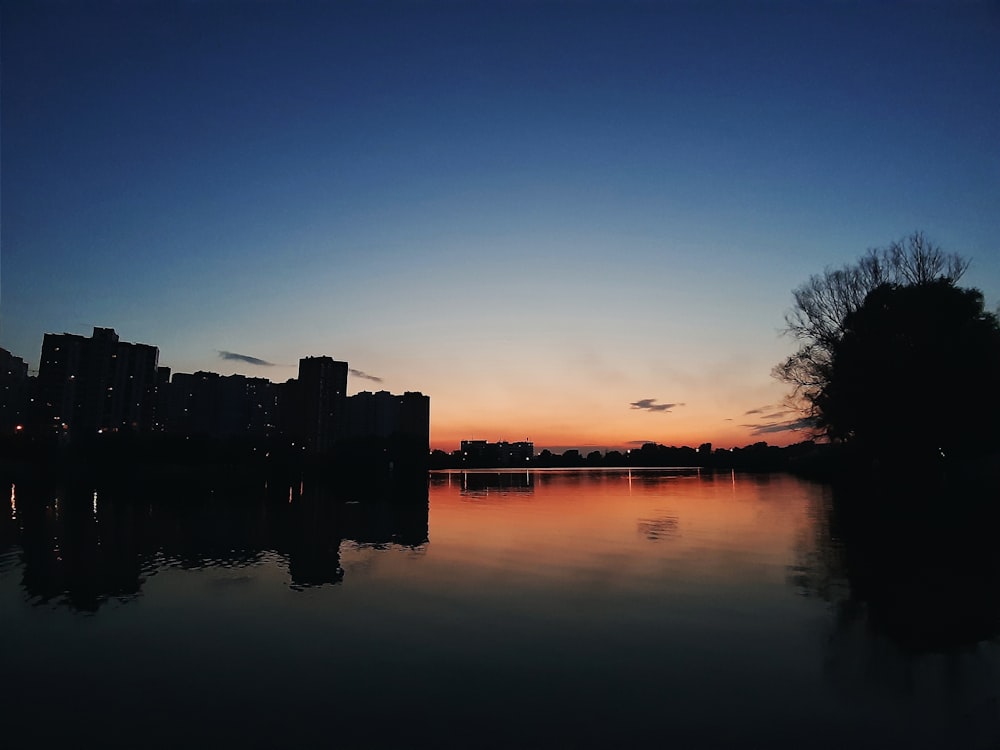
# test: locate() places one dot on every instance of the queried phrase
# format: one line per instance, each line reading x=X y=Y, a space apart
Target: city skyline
x=102 y=385
x=574 y=223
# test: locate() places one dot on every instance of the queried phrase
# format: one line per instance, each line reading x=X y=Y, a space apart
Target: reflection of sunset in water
x=525 y=609
x=615 y=524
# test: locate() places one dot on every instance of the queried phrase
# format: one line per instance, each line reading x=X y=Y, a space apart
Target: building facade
x=385 y=415
x=89 y=385
x=15 y=388
x=220 y=406
x=322 y=403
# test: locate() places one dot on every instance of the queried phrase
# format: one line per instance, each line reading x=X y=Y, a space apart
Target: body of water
x=599 y=608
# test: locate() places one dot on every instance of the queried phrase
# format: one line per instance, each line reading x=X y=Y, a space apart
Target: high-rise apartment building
x=14 y=386
x=415 y=417
x=322 y=402
x=214 y=405
x=87 y=385
x=90 y=385
x=385 y=415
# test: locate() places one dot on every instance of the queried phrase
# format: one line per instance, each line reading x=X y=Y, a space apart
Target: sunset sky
x=574 y=222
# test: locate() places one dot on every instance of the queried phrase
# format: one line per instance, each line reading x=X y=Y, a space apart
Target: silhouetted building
x=478 y=453
x=92 y=385
x=288 y=417
x=485 y=455
x=415 y=417
x=385 y=415
x=14 y=389
x=213 y=405
x=371 y=414
x=322 y=397
x=86 y=385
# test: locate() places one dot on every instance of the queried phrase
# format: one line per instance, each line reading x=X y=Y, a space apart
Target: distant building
x=480 y=454
x=86 y=385
x=516 y=454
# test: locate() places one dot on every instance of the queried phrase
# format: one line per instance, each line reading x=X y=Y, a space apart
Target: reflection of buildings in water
x=82 y=548
x=310 y=539
x=311 y=566
x=480 y=484
x=656 y=529
x=483 y=482
x=75 y=552
x=383 y=524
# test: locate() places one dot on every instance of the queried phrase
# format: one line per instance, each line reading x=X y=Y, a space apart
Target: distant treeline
x=804 y=457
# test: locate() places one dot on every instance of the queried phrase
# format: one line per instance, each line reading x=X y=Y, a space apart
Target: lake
x=573 y=608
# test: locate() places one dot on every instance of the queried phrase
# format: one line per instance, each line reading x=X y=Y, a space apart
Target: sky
x=578 y=223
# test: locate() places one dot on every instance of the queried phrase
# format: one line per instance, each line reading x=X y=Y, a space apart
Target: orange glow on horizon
x=448 y=437
x=567 y=408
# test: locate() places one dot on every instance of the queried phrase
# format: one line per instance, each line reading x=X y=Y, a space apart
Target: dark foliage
x=916 y=373
x=895 y=359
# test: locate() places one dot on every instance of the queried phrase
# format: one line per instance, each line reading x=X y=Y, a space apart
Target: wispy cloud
x=758 y=410
x=777 y=414
x=649 y=404
x=791 y=425
x=245 y=358
x=365 y=375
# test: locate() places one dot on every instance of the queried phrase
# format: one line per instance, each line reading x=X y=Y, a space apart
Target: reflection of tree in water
x=924 y=568
x=913 y=579
x=83 y=548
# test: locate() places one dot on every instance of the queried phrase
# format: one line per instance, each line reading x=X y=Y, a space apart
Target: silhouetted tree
x=822 y=304
x=916 y=373
x=614 y=458
x=895 y=357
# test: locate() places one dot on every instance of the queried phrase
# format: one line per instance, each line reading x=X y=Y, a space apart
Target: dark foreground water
x=543 y=609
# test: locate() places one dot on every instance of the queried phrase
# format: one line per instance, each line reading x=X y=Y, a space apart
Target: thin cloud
x=777 y=414
x=365 y=375
x=245 y=358
x=758 y=410
x=791 y=425
x=649 y=404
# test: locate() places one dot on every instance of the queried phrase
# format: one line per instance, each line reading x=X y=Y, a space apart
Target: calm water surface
x=544 y=609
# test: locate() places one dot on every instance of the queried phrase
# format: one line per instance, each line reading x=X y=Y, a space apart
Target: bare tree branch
x=822 y=304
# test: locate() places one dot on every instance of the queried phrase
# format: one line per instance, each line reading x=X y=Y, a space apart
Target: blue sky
x=538 y=213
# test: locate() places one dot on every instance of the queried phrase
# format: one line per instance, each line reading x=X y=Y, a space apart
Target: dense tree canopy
x=895 y=357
